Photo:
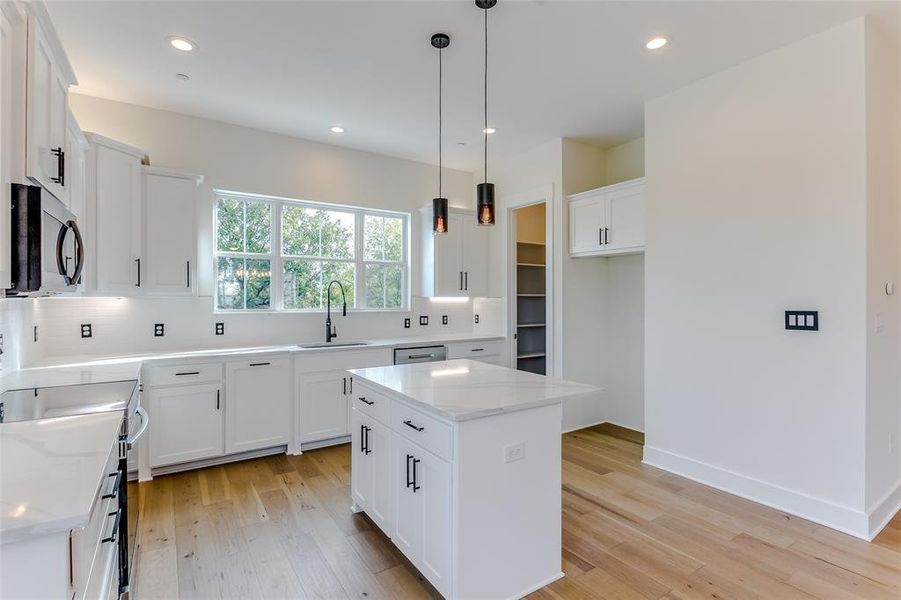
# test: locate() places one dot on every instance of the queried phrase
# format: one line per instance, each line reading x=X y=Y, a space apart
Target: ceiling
x=557 y=68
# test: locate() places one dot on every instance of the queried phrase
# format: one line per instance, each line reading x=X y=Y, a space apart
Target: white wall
x=625 y=162
x=756 y=204
x=17 y=320
x=883 y=129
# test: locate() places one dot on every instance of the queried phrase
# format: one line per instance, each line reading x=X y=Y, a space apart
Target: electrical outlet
x=423 y=320
x=159 y=330
x=477 y=319
x=86 y=330
x=514 y=452
x=407 y=323
x=444 y=319
x=220 y=328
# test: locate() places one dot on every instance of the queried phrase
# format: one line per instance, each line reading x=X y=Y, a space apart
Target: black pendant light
x=485 y=190
x=439 y=204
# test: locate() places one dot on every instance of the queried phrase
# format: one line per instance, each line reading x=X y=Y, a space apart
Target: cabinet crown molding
x=101 y=140
x=38 y=10
x=622 y=185
x=170 y=172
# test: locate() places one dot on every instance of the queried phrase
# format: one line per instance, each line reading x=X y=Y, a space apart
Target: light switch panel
x=802 y=320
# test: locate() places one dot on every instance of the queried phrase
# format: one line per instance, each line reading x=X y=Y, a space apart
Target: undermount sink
x=334 y=344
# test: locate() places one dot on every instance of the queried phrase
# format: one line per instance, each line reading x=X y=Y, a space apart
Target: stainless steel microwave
x=47 y=249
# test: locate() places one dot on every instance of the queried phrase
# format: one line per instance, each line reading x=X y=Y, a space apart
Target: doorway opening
x=530 y=282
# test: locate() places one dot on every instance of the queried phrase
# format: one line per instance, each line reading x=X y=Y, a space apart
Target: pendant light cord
x=440 y=121
x=486 y=95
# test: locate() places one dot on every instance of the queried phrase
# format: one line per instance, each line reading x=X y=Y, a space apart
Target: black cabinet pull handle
x=60 y=166
x=188 y=373
x=409 y=457
x=115 y=490
x=368 y=449
x=188 y=273
x=344 y=379
x=466 y=282
x=362 y=439
x=461 y=281
x=600 y=237
x=606 y=236
x=262 y=364
x=410 y=424
x=115 y=533
x=351 y=385
x=477 y=350
x=217 y=399
x=138 y=284
x=365 y=401
x=416 y=461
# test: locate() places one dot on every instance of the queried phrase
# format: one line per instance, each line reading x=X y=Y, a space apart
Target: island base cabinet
x=187 y=424
x=372 y=474
x=422 y=528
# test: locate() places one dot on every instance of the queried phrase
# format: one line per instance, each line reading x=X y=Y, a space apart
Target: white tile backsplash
x=125 y=325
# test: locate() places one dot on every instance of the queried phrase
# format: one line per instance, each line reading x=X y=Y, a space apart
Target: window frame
x=276 y=257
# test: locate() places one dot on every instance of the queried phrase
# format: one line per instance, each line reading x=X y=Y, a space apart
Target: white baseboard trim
x=842 y=518
x=884 y=510
x=219 y=460
x=537 y=586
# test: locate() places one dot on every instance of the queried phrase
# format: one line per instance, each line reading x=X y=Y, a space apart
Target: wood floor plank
x=281 y=527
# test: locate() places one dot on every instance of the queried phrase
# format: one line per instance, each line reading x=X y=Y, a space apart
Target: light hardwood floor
x=280 y=527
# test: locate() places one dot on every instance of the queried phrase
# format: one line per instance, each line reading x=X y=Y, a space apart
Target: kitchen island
x=458 y=462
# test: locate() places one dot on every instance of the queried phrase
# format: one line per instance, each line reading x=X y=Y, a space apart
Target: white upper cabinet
x=49 y=76
x=114 y=231
x=170 y=231
x=608 y=221
x=260 y=393
x=12 y=46
x=454 y=263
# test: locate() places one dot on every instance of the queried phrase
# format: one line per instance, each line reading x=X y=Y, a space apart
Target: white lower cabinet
x=406 y=490
x=186 y=423
x=423 y=517
x=258 y=406
x=372 y=470
x=323 y=406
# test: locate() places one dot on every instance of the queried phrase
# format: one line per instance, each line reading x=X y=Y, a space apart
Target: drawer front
x=88 y=546
x=370 y=402
x=184 y=374
x=435 y=436
x=473 y=350
x=330 y=360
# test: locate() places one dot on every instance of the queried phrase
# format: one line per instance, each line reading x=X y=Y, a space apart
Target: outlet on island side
x=444 y=319
x=407 y=323
x=423 y=320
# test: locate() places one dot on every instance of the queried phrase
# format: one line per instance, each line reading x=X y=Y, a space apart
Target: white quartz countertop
x=100 y=369
x=464 y=389
x=50 y=471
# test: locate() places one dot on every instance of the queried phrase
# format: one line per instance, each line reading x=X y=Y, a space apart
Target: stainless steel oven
x=47 y=249
x=133 y=427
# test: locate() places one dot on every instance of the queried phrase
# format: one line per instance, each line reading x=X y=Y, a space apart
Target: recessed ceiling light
x=656 y=43
x=180 y=43
x=336 y=129
x=489 y=130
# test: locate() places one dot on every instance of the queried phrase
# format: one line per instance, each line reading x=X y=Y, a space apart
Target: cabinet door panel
x=361 y=467
x=475 y=263
x=625 y=218
x=170 y=234
x=433 y=476
x=449 y=258
x=258 y=404
x=408 y=508
x=587 y=219
x=323 y=406
x=118 y=214
x=185 y=424
x=46 y=98
x=381 y=501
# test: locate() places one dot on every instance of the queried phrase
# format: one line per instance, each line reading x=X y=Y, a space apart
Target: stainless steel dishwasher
x=419 y=354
